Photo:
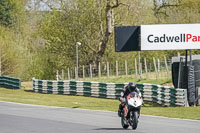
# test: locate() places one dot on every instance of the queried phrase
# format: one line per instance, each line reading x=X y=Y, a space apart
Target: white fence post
x=57 y=75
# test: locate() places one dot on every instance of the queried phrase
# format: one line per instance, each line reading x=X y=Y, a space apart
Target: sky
x=41 y=6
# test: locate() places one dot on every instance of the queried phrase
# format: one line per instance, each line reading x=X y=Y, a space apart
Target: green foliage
x=41 y=66
x=11 y=12
x=180 y=12
x=5 y=13
x=39 y=43
x=84 y=21
x=14 y=52
x=75 y=23
x=11 y=53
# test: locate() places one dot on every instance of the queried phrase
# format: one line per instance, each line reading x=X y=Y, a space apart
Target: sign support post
x=139 y=66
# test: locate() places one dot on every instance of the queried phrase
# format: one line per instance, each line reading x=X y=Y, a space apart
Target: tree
x=93 y=23
x=161 y=8
x=12 y=53
x=5 y=13
x=188 y=11
x=11 y=12
x=90 y=22
x=79 y=21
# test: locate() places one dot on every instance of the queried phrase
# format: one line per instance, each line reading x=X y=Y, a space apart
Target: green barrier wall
x=10 y=82
x=163 y=95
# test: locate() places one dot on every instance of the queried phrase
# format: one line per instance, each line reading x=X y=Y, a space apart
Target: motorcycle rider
x=131 y=87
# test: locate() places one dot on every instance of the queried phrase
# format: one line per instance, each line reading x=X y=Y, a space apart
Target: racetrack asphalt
x=21 y=118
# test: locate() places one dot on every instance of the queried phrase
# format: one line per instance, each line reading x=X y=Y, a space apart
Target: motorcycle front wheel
x=134 y=120
x=124 y=123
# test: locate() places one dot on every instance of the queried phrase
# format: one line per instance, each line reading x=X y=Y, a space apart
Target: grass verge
x=27 y=96
x=128 y=79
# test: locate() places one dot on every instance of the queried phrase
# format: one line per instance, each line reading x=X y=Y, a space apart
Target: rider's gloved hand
x=122 y=99
x=140 y=95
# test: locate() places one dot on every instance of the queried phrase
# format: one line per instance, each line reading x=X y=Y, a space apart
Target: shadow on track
x=110 y=129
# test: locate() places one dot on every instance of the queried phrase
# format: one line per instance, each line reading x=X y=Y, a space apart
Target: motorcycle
x=131 y=110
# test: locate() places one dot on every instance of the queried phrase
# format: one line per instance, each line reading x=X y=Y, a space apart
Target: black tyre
x=123 y=122
x=134 y=120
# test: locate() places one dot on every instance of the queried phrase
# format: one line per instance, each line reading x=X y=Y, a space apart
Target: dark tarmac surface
x=21 y=118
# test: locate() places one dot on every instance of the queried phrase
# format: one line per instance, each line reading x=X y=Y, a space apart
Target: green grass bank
x=27 y=96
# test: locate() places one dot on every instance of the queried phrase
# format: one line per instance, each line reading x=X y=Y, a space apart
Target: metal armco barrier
x=10 y=82
x=165 y=96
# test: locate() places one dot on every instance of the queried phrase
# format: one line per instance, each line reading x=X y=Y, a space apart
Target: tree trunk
x=108 y=32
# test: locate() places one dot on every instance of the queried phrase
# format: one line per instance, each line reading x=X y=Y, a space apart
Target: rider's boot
x=119 y=113
x=120 y=110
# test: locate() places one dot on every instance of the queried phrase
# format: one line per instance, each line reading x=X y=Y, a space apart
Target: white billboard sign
x=170 y=37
